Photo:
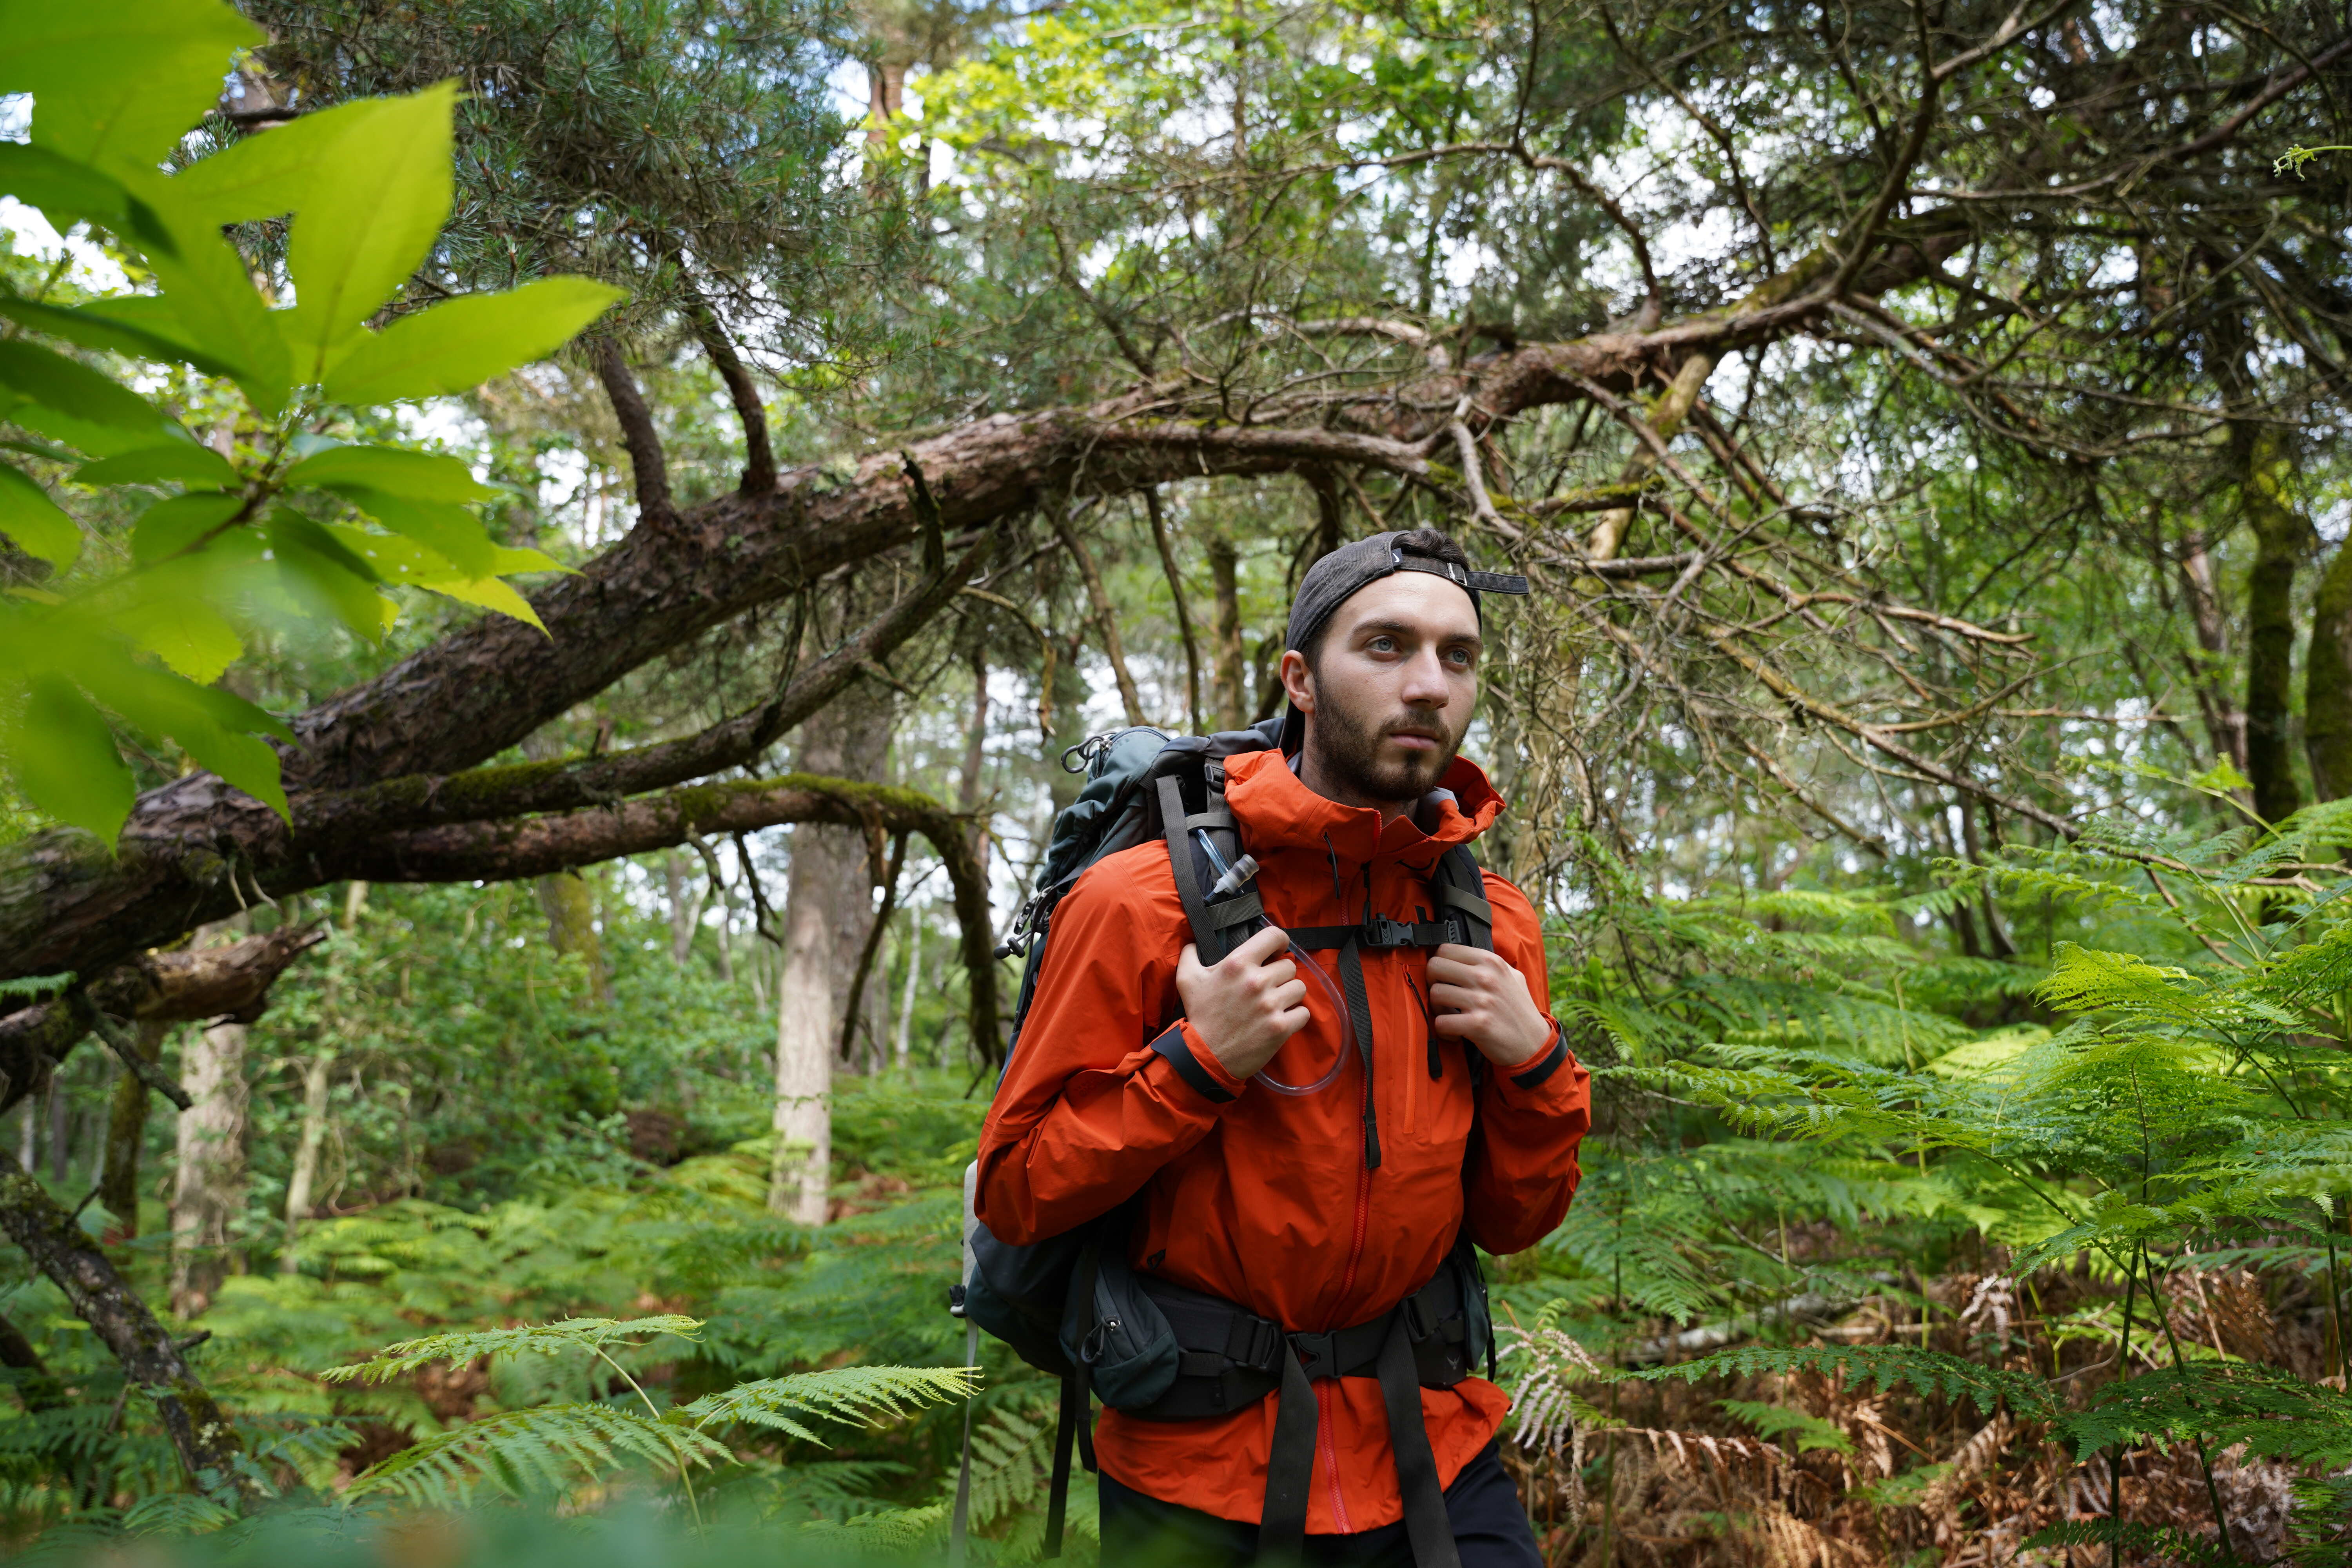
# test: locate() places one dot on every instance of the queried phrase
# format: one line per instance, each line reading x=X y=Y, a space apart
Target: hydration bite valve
x=1235 y=879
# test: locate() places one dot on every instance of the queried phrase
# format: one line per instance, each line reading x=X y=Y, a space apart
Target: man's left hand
x=1482 y=997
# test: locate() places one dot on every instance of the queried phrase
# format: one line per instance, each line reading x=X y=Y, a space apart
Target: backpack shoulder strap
x=1460 y=890
x=1217 y=927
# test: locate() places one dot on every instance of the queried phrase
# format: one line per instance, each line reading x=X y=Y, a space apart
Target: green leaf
x=188 y=634
x=320 y=568
x=271 y=172
x=69 y=191
x=457 y=346
x=181 y=460
x=449 y=530
x=119 y=82
x=36 y=524
x=208 y=301
x=397 y=559
x=116 y=325
x=63 y=757
x=169 y=526
x=72 y=388
x=411 y=476
x=219 y=730
x=370 y=225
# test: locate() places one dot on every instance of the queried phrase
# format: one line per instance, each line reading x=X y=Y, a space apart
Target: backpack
x=1069 y=1305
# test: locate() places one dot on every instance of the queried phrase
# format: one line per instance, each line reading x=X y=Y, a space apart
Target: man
x=1275 y=1173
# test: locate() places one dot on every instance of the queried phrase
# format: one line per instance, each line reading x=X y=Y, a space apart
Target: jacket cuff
x=1547 y=1064
x=1196 y=1064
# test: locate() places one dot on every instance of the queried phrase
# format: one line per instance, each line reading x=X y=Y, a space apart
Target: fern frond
x=1778 y=1421
x=534 y=1339
x=2275 y=1413
x=523 y=1452
x=858 y=1395
x=2084 y=980
x=176 y=1513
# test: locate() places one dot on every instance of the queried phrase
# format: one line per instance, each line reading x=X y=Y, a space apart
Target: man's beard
x=1347 y=747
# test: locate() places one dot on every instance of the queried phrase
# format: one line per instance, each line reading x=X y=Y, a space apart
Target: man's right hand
x=1246 y=1006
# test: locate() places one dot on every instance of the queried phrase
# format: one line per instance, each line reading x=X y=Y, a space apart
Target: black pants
x=1490 y=1531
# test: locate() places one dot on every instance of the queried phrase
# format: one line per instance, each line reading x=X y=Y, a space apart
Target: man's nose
x=1425 y=685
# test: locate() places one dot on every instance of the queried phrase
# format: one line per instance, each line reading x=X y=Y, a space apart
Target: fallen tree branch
x=542 y=846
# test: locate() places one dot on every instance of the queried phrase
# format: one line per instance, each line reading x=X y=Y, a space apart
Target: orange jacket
x=1263 y=1199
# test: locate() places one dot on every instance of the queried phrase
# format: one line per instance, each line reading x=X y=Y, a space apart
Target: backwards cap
x=1347 y=570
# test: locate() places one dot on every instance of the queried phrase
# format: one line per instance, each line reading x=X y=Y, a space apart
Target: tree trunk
x=905 y=1043
x=316 y=1078
x=686 y=894
x=202 y=1437
x=209 y=1193
x=828 y=907
x=1183 y=611
x=1104 y=615
x=1233 y=692
x=2327 y=682
x=61 y=1131
x=571 y=908
x=2280 y=535
x=2225 y=721
x=126 y=1137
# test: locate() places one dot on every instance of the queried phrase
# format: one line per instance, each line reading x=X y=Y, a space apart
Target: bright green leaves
x=61 y=673
x=117 y=82
x=418 y=476
x=358 y=237
x=463 y=343
x=35 y=524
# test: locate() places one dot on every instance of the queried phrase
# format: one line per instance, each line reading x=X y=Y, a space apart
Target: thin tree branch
x=645 y=460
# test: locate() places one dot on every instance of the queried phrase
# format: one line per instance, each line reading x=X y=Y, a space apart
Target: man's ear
x=1297 y=681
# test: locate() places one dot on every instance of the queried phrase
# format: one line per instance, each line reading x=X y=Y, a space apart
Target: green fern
x=525 y=1453
x=592 y=1335
x=849 y=1394
x=1947 y=1377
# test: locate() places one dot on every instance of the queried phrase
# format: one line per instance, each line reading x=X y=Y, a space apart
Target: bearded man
x=1281 y=1171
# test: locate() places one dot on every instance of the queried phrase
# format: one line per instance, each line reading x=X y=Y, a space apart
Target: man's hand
x=1246 y=1006
x=1483 y=998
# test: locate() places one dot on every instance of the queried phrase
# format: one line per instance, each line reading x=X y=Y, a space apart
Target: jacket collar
x=1275 y=811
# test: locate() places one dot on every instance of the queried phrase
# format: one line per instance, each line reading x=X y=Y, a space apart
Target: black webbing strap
x=1289 y=1468
x=1076 y=1418
x=1066 y=1432
x=1227 y=913
x=1425 y=1523
x=1205 y=937
x=1359 y=1015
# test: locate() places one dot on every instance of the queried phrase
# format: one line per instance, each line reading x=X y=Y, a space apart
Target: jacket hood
x=1276 y=811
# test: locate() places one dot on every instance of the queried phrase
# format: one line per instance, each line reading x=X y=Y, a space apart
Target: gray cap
x=1338 y=576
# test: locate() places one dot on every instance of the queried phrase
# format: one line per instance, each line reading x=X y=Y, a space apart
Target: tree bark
x=2327 y=682
x=2225 y=721
x=1183 y=612
x=905 y=1043
x=686 y=894
x=232 y=981
x=2280 y=536
x=569 y=905
x=1231 y=677
x=209 y=1194
x=317 y=1074
x=828 y=908
x=207 y=1445
x=126 y=1138
x=1106 y=617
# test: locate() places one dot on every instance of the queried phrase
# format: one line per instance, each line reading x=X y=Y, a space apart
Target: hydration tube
x=1307 y=965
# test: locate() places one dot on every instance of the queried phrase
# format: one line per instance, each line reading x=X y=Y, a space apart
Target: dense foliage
x=1929 y=740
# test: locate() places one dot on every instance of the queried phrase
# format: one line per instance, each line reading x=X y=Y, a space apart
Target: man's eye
x=1383 y=645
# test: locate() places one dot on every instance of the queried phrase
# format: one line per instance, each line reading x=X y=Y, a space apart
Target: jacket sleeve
x=1102 y=1088
x=1522 y=1169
